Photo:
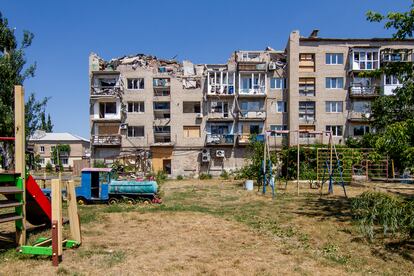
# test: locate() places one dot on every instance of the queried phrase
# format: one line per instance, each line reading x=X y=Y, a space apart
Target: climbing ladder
x=11 y=203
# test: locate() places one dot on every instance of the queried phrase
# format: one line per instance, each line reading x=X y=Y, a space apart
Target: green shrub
x=49 y=167
x=160 y=177
x=204 y=176
x=387 y=211
x=224 y=175
x=180 y=177
x=99 y=164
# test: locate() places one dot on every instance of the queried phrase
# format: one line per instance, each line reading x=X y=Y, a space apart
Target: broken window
x=219 y=129
x=220 y=107
x=161 y=93
x=136 y=107
x=251 y=105
x=135 y=131
x=135 y=84
x=161 y=82
x=304 y=131
x=278 y=128
x=336 y=130
x=191 y=107
x=192 y=132
x=307 y=111
x=107 y=108
x=307 y=86
x=161 y=106
x=107 y=82
x=281 y=107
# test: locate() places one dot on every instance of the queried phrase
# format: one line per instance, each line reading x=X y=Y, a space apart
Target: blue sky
x=202 y=31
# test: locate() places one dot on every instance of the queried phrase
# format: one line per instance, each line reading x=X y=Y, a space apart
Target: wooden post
x=57 y=212
x=298 y=160
x=393 y=168
x=19 y=154
x=74 y=222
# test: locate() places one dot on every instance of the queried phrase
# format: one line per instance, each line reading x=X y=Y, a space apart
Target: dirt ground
x=215 y=227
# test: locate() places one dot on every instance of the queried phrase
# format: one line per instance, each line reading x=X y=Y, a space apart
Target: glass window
x=219 y=129
x=307 y=110
x=277 y=83
x=361 y=106
x=42 y=148
x=278 y=128
x=334 y=83
x=281 y=106
x=360 y=130
x=64 y=161
x=333 y=106
x=336 y=130
x=334 y=59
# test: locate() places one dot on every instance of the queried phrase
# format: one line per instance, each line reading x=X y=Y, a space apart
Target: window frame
x=142 y=81
x=330 y=79
x=133 y=129
x=277 y=128
x=283 y=104
x=330 y=57
x=187 y=130
x=277 y=83
x=334 y=130
x=337 y=105
x=138 y=104
x=41 y=149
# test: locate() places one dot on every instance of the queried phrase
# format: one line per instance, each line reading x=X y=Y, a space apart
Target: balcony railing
x=356 y=90
x=220 y=139
x=217 y=89
x=106 y=90
x=106 y=140
x=244 y=139
x=359 y=116
x=217 y=116
x=253 y=114
x=260 y=90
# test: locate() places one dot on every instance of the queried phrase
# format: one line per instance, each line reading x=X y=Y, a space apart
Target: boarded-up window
x=109 y=129
x=192 y=132
x=303 y=131
x=306 y=62
x=307 y=86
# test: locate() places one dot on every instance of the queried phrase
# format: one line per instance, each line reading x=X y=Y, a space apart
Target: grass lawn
x=215 y=227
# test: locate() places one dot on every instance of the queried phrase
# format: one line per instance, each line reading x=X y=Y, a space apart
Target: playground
x=214 y=226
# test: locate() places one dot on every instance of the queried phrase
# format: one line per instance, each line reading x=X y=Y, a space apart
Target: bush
x=389 y=212
x=205 y=176
x=160 y=177
x=224 y=175
x=49 y=167
x=99 y=164
x=180 y=177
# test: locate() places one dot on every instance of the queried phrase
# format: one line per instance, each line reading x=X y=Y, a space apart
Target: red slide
x=38 y=207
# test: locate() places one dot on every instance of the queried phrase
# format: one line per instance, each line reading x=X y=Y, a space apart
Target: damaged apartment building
x=187 y=118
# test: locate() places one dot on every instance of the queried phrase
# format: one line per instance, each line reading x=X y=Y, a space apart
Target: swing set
x=333 y=173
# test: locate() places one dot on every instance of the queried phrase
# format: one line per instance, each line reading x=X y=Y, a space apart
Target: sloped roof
x=56 y=136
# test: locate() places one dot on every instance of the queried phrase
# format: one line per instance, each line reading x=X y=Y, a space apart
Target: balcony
x=220 y=139
x=255 y=91
x=221 y=90
x=217 y=116
x=307 y=120
x=106 y=91
x=396 y=55
x=258 y=115
x=356 y=116
x=161 y=83
x=364 y=59
x=162 y=95
x=251 y=56
x=244 y=139
x=106 y=140
x=363 y=91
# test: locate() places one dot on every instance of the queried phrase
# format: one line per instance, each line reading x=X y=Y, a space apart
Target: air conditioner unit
x=199 y=115
x=123 y=126
x=272 y=66
x=220 y=153
x=205 y=156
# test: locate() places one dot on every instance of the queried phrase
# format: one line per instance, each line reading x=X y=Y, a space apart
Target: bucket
x=248 y=185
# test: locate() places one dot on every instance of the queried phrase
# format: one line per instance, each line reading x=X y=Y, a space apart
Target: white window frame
x=333 y=58
x=334 y=106
x=334 y=130
x=41 y=149
x=64 y=163
x=137 y=82
x=278 y=128
x=336 y=82
x=363 y=59
x=277 y=83
x=392 y=78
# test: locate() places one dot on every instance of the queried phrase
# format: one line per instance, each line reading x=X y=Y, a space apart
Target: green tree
x=14 y=71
